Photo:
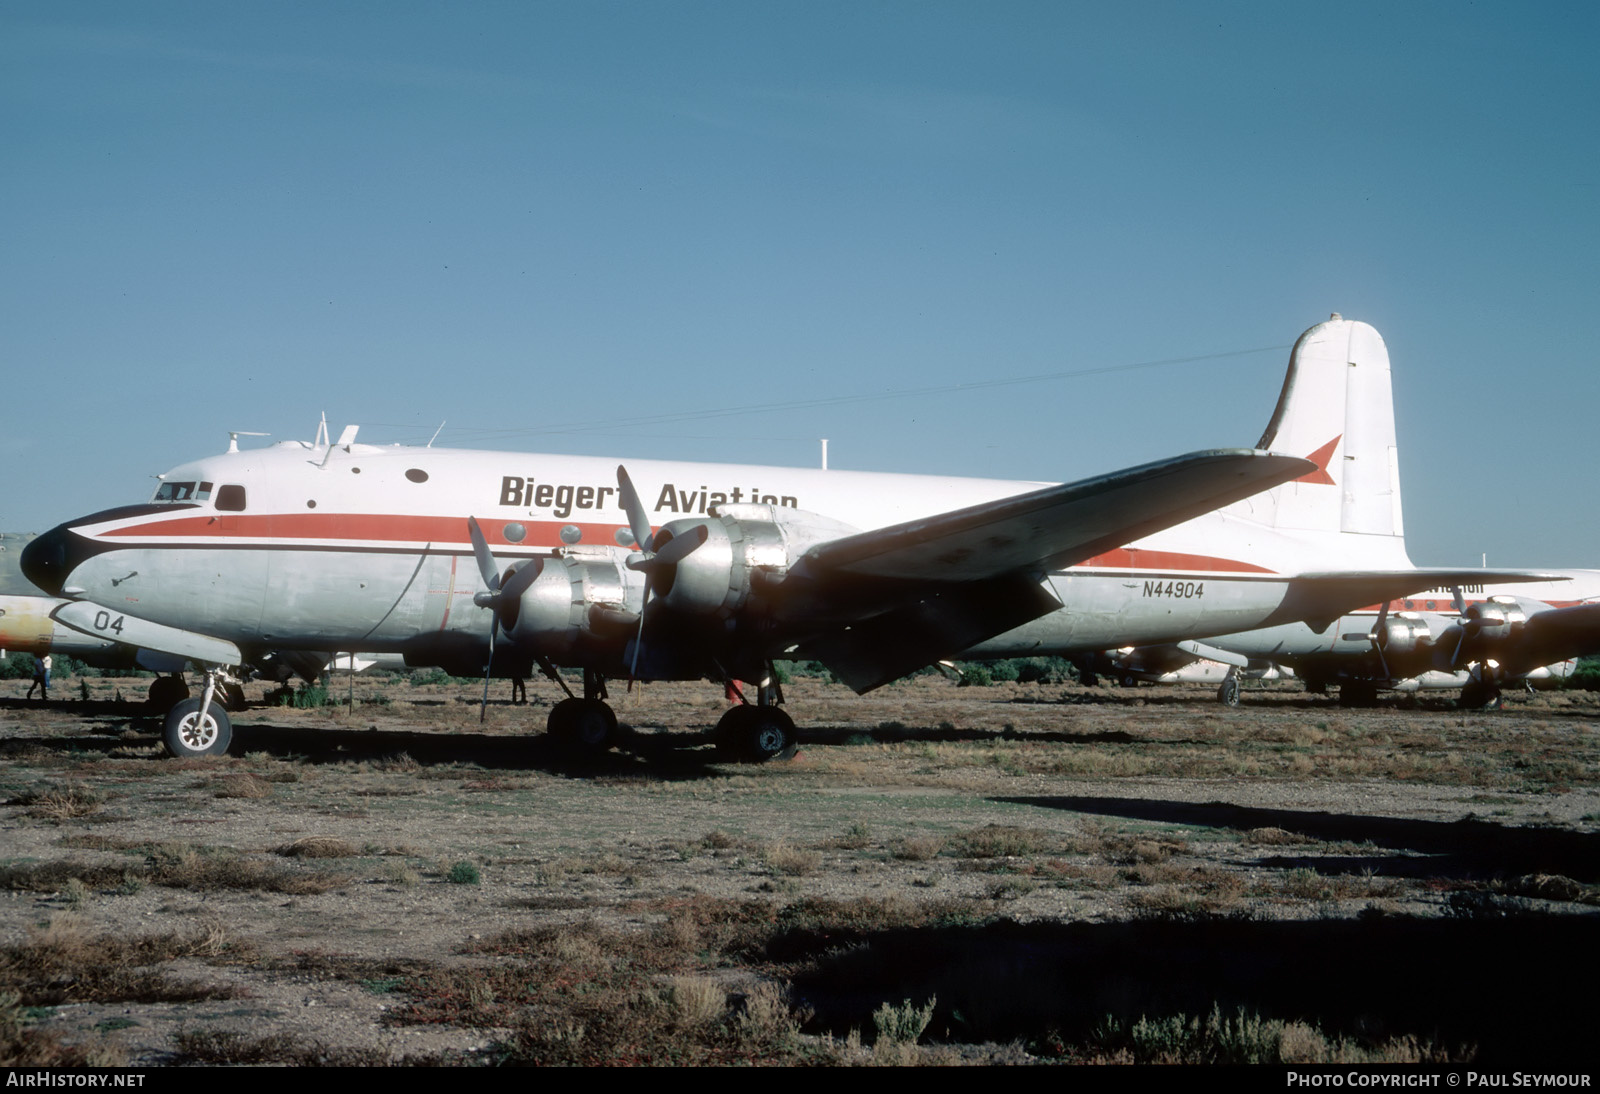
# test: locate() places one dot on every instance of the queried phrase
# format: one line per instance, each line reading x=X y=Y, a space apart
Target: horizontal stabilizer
x=118 y=626
x=1213 y=653
x=1057 y=526
x=1321 y=598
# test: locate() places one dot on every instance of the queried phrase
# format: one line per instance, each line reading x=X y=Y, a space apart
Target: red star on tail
x=1321 y=457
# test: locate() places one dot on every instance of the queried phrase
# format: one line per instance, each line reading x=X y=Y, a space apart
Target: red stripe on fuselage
x=274 y=528
x=367 y=527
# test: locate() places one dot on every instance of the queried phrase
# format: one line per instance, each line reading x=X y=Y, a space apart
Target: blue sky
x=530 y=220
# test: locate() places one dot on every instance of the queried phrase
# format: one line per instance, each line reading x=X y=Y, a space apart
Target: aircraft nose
x=45 y=560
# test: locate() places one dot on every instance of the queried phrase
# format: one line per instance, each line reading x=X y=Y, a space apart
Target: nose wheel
x=188 y=734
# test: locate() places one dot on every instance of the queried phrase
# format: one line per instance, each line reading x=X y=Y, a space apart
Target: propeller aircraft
x=481 y=561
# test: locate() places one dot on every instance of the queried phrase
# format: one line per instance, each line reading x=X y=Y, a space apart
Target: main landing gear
x=748 y=733
x=587 y=724
x=757 y=732
x=1228 y=690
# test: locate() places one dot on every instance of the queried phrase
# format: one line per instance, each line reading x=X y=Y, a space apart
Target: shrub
x=904 y=1024
x=975 y=676
x=463 y=873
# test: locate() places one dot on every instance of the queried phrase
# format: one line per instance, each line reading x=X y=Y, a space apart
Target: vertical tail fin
x=1336 y=409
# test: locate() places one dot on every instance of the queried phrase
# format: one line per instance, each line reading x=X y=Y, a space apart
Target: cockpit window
x=230 y=499
x=183 y=491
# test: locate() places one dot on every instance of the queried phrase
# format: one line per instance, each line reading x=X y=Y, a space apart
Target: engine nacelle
x=747 y=547
x=1403 y=634
x=579 y=600
x=1494 y=618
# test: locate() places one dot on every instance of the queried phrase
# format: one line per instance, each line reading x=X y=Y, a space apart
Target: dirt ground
x=1037 y=858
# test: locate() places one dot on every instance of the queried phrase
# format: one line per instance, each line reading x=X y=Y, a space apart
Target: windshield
x=183 y=491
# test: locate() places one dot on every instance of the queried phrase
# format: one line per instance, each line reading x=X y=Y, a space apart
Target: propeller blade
x=1377 y=638
x=483 y=707
x=480 y=550
x=638 y=515
x=633 y=666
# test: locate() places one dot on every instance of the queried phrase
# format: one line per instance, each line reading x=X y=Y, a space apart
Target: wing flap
x=888 y=646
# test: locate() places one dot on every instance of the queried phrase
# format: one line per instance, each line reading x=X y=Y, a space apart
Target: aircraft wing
x=1556 y=635
x=1058 y=525
x=1321 y=598
x=905 y=596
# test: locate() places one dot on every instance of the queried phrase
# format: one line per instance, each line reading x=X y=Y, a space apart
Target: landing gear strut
x=1481 y=691
x=757 y=732
x=588 y=724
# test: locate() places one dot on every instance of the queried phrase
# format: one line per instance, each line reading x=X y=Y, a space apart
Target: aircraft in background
x=484 y=561
x=1179 y=663
x=1475 y=634
x=1486 y=638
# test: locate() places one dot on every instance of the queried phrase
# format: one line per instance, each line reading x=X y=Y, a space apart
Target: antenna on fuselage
x=235 y=434
x=322 y=432
x=436 y=433
x=824 y=453
x=346 y=439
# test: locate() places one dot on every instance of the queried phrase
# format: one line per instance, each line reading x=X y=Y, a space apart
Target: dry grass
x=319 y=847
x=176 y=866
x=917 y=848
x=1002 y=841
x=242 y=784
x=781 y=858
x=65 y=962
x=1244 y=1038
x=234 y=1049
x=59 y=803
x=642 y=941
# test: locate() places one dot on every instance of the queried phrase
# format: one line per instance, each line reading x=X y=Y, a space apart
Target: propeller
x=647 y=559
x=1380 y=638
x=500 y=597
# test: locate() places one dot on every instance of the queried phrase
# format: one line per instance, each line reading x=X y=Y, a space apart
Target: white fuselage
x=365 y=547
x=1346 y=645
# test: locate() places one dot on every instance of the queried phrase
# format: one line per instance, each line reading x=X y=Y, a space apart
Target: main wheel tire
x=1228 y=692
x=772 y=737
x=186 y=735
x=733 y=731
x=1477 y=695
x=586 y=725
x=165 y=693
x=749 y=733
